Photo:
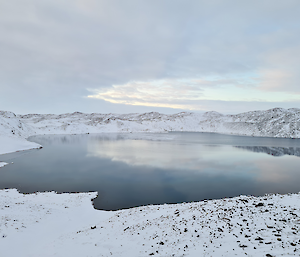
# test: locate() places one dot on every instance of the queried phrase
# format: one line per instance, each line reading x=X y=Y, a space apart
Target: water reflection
x=135 y=169
x=159 y=154
x=274 y=151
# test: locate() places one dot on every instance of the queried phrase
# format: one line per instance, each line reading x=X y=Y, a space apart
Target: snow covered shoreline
x=48 y=224
x=14 y=129
x=275 y=122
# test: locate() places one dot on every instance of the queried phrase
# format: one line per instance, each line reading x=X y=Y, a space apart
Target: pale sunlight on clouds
x=137 y=56
x=189 y=94
x=162 y=93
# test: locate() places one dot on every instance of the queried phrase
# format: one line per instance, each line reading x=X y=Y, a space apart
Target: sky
x=110 y=56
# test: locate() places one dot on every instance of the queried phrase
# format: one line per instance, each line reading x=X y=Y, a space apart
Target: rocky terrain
x=275 y=122
x=49 y=224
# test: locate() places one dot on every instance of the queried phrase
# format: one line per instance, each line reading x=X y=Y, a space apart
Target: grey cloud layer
x=52 y=51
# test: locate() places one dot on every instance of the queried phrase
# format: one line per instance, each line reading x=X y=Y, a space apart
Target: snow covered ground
x=49 y=224
x=13 y=134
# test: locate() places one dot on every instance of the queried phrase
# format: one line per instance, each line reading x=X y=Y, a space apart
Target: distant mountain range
x=275 y=122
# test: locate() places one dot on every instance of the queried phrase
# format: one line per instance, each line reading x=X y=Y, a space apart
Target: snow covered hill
x=74 y=123
x=10 y=125
x=275 y=122
x=13 y=134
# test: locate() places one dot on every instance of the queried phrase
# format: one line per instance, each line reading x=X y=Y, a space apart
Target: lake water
x=139 y=169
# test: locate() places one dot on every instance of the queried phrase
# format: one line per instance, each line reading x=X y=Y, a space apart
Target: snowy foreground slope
x=49 y=224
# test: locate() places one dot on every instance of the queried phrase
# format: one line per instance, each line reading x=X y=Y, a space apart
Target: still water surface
x=138 y=169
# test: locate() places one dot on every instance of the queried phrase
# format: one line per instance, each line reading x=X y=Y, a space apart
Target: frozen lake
x=139 y=169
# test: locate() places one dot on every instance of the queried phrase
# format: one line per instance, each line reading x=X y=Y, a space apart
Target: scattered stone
x=259 y=205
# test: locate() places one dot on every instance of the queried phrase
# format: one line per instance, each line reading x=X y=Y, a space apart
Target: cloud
x=53 y=51
x=281 y=71
x=162 y=93
x=194 y=94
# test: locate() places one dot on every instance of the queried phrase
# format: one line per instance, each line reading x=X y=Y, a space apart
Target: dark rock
x=259 y=205
x=259 y=238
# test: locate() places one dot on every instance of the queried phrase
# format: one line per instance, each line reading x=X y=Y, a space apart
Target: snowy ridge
x=275 y=122
x=74 y=123
x=10 y=125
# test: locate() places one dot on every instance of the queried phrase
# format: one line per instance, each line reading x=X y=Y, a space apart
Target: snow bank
x=13 y=134
x=15 y=144
x=48 y=224
x=10 y=125
x=2 y=164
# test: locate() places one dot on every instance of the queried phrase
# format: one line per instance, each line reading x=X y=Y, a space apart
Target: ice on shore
x=2 y=164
